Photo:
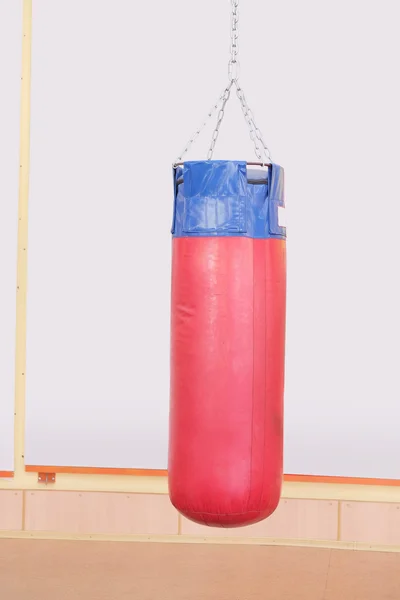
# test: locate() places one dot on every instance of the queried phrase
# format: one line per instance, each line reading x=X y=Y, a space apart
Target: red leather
x=227 y=378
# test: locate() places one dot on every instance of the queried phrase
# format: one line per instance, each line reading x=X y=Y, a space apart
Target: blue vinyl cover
x=219 y=198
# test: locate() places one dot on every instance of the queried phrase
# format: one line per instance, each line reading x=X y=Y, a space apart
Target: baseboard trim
x=184 y=539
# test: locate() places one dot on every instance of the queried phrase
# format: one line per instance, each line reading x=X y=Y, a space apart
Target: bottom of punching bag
x=228 y=520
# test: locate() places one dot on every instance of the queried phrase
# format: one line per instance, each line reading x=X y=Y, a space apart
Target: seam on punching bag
x=222 y=514
x=265 y=399
x=252 y=396
x=266 y=250
x=257 y=462
x=266 y=254
x=271 y=251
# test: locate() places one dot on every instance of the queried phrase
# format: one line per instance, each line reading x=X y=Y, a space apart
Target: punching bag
x=227 y=342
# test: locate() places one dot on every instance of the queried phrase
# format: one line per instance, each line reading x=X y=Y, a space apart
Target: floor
x=61 y=570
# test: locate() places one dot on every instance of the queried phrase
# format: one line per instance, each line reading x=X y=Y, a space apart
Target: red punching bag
x=227 y=331
x=227 y=343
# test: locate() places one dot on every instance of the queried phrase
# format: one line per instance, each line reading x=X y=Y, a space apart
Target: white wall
x=10 y=79
x=116 y=90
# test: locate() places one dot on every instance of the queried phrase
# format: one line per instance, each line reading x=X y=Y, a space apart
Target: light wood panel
x=95 y=512
x=11 y=510
x=370 y=522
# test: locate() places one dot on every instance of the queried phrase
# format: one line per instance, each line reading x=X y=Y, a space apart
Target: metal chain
x=260 y=148
x=220 y=117
x=200 y=129
x=255 y=133
x=233 y=65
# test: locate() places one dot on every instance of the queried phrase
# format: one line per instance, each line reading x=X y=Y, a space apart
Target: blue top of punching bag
x=228 y=198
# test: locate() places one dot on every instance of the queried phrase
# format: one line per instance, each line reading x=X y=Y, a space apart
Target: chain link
x=261 y=150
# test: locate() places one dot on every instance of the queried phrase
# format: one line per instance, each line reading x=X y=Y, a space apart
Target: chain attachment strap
x=260 y=148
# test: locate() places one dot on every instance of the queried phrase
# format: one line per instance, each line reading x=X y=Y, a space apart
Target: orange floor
x=58 y=570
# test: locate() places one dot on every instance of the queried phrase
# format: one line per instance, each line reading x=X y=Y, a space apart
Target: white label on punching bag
x=281 y=216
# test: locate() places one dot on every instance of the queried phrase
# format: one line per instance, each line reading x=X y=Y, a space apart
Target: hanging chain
x=220 y=117
x=260 y=148
x=200 y=129
x=255 y=134
x=233 y=65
